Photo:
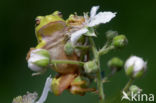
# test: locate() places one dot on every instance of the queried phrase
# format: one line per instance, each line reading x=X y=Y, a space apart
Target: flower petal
x=91 y=34
x=34 y=67
x=76 y=35
x=46 y=90
x=93 y=11
x=101 y=18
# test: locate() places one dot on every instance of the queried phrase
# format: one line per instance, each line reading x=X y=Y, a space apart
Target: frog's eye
x=37 y=21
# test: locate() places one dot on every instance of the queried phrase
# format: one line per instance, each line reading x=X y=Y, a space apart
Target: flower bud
x=38 y=59
x=135 y=89
x=135 y=67
x=115 y=63
x=120 y=41
x=68 y=48
x=90 y=67
x=111 y=34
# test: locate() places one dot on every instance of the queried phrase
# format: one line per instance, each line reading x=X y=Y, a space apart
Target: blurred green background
x=135 y=18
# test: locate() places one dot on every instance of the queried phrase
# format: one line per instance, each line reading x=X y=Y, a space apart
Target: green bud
x=120 y=41
x=134 y=89
x=39 y=58
x=90 y=67
x=43 y=62
x=111 y=34
x=68 y=48
x=115 y=63
x=43 y=58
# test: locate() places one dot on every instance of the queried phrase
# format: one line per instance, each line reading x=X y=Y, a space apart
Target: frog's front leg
x=41 y=44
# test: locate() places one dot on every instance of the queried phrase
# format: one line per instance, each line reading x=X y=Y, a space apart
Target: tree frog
x=51 y=33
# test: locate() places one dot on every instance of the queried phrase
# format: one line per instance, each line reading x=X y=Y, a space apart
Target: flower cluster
x=28 y=98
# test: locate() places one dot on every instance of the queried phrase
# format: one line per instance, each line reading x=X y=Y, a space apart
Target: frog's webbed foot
x=62 y=82
x=81 y=91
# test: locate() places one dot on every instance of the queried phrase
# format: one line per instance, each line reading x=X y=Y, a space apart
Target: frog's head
x=47 y=25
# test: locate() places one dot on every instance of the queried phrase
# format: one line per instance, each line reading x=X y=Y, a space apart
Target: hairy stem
x=67 y=62
x=105 y=50
x=129 y=83
x=98 y=75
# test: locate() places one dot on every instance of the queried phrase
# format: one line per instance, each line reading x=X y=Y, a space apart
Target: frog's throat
x=50 y=29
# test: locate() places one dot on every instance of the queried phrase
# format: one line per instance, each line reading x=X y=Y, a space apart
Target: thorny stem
x=129 y=83
x=99 y=78
x=67 y=62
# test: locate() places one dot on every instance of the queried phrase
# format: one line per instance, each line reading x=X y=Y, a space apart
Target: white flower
x=135 y=65
x=46 y=90
x=39 y=58
x=100 y=18
x=76 y=35
x=94 y=20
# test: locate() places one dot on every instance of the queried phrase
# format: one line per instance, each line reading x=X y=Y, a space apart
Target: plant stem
x=67 y=62
x=129 y=83
x=99 y=78
x=82 y=47
x=105 y=79
x=105 y=50
x=95 y=52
